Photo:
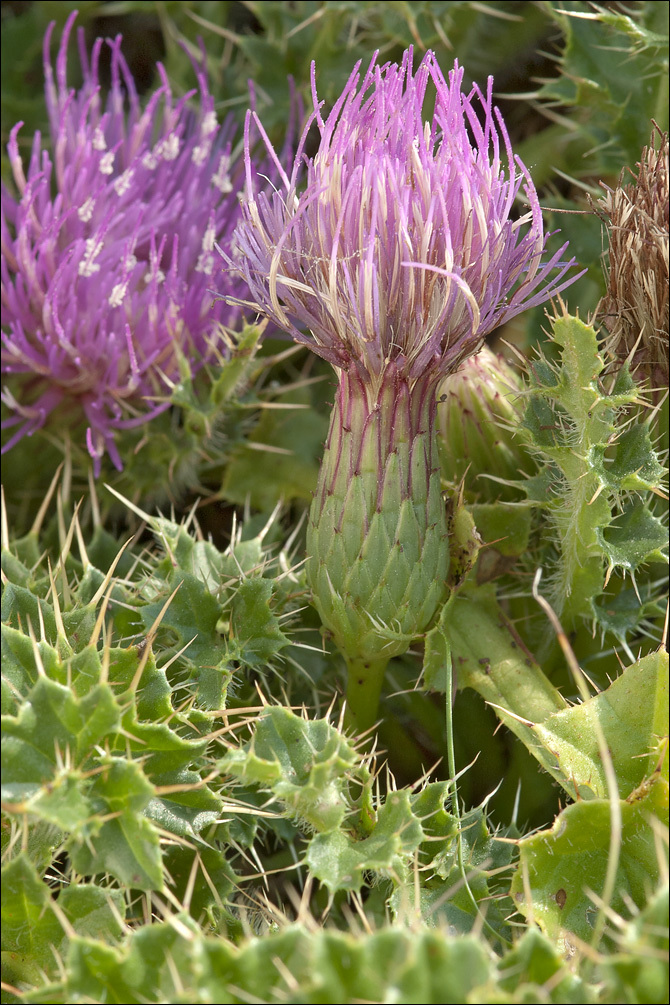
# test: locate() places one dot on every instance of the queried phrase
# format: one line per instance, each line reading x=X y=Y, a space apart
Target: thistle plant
x=391 y=253
x=108 y=250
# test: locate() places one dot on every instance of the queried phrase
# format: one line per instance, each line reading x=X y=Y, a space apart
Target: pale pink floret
x=397 y=241
x=108 y=250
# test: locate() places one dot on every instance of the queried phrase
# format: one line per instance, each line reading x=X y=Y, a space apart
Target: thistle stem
x=364 y=685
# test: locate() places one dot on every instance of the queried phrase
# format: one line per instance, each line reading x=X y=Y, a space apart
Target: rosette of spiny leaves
x=391 y=253
x=116 y=670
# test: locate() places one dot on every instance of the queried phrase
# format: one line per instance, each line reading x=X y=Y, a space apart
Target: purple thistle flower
x=395 y=242
x=108 y=253
x=396 y=249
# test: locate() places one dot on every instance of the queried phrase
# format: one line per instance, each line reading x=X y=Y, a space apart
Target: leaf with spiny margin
x=215 y=882
x=178 y=964
x=340 y=862
x=119 y=839
x=192 y=616
x=561 y=867
x=438 y=858
x=29 y=927
x=51 y=760
x=257 y=637
x=169 y=762
x=305 y=763
x=152 y=694
x=614 y=67
x=638 y=972
x=19 y=666
x=21 y=607
x=292 y=473
x=632 y=714
x=31 y=932
x=534 y=968
x=199 y=559
x=635 y=465
x=624 y=613
x=634 y=538
x=51 y=724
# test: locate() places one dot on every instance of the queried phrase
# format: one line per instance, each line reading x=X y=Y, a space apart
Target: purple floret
x=396 y=242
x=108 y=251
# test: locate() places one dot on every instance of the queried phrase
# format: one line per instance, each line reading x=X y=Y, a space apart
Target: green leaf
x=256 y=629
x=292 y=473
x=29 y=927
x=22 y=661
x=32 y=933
x=534 y=963
x=214 y=883
x=635 y=465
x=614 y=67
x=340 y=862
x=193 y=616
x=53 y=724
x=625 y=613
x=638 y=972
x=632 y=714
x=634 y=537
x=305 y=763
x=506 y=528
x=561 y=867
x=120 y=840
x=490 y=657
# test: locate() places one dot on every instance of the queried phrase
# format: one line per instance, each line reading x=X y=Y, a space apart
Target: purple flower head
x=395 y=244
x=108 y=252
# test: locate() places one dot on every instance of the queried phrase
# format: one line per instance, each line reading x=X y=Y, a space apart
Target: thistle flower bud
x=108 y=250
x=635 y=307
x=395 y=249
x=479 y=414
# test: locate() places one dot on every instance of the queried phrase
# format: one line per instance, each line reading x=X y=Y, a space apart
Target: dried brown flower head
x=635 y=308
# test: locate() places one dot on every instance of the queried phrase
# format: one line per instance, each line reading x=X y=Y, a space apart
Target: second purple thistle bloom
x=108 y=250
x=391 y=253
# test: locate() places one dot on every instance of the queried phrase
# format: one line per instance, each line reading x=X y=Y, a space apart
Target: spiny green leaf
x=340 y=862
x=304 y=763
x=632 y=715
x=293 y=472
x=126 y=845
x=638 y=972
x=51 y=725
x=635 y=465
x=634 y=538
x=29 y=927
x=625 y=613
x=255 y=627
x=534 y=963
x=32 y=933
x=564 y=865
